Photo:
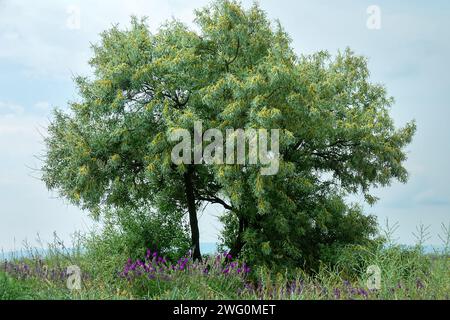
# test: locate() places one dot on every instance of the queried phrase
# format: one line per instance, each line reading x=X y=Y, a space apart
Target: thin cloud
x=8 y=109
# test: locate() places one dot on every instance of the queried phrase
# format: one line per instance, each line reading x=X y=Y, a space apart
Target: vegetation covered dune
x=291 y=235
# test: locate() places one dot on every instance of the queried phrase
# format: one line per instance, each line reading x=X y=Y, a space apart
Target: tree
x=110 y=151
x=114 y=149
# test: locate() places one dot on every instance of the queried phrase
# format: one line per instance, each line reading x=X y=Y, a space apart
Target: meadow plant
x=154 y=275
x=406 y=273
x=37 y=269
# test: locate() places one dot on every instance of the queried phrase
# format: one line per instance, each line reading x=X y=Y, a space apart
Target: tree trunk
x=190 y=197
x=239 y=243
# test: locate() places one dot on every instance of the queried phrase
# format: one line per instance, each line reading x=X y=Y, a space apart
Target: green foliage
x=216 y=287
x=128 y=233
x=31 y=289
x=406 y=274
x=9 y=289
x=112 y=149
x=211 y=278
x=399 y=263
x=304 y=244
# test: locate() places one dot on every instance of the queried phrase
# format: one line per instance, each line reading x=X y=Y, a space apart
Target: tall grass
x=406 y=273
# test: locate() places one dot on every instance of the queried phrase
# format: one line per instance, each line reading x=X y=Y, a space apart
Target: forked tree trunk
x=193 y=220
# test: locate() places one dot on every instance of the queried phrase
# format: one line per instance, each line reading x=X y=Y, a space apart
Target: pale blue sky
x=40 y=52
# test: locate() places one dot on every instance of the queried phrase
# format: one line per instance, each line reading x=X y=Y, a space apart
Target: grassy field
x=406 y=273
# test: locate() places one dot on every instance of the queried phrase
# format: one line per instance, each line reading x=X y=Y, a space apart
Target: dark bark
x=192 y=209
x=239 y=243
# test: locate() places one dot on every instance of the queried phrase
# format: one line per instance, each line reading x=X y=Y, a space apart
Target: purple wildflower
x=363 y=293
x=419 y=284
x=337 y=293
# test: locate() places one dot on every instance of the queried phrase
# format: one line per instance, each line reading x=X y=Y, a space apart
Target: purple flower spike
x=363 y=293
x=419 y=284
x=337 y=293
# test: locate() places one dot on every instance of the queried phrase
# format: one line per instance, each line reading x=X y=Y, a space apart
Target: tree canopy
x=112 y=149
